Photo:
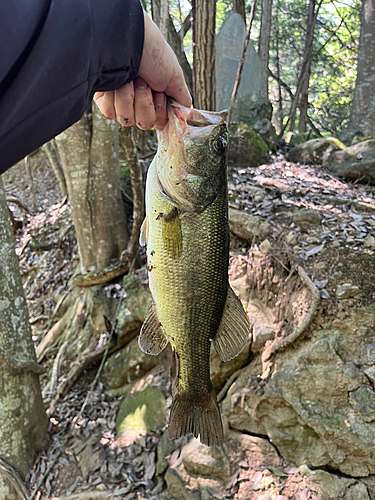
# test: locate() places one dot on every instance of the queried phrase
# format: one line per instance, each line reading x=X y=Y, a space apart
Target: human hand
x=144 y=101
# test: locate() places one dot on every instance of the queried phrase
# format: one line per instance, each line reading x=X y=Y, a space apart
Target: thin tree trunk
x=89 y=154
x=280 y=95
x=239 y=7
x=306 y=66
x=204 y=80
x=363 y=109
x=52 y=154
x=23 y=421
x=304 y=104
x=173 y=37
x=264 y=41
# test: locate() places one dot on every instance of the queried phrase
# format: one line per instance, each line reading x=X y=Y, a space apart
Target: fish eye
x=220 y=144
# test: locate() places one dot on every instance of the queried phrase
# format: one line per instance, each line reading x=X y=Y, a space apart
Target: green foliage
x=333 y=70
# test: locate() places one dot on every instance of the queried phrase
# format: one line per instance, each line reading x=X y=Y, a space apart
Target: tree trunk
x=174 y=38
x=264 y=41
x=304 y=102
x=363 y=110
x=204 y=81
x=306 y=66
x=239 y=8
x=23 y=421
x=89 y=154
x=280 y=111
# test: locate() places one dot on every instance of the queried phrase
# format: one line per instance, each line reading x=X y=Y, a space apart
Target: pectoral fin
x=171 y=233
x=234 y=330
x=152 y=339
x=143 y=237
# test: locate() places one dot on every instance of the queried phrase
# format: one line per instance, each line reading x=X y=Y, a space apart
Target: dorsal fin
x=152 y=340
x=234 y=330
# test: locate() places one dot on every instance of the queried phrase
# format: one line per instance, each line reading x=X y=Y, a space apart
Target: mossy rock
x=138 y=296
x=355 y=162
x=140 y=413
x=246 y=147
x=128 y=364
x=295 y=139
x=315 y=151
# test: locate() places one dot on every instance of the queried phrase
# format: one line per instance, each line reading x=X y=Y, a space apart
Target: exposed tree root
x=10 y=478
x=297 y=332
x=22 y=364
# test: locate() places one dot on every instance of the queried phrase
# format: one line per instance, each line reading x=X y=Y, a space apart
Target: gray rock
x=89 y=460
x=369 y=241
x=315 y=151
x=246 y=147
x=305 y=408
x=247 y=226
x=357 y=492
x=128 y=364
x=347 y=135
x=347 y=291
x=307 y=217
x=355 y=162
x=199 y=473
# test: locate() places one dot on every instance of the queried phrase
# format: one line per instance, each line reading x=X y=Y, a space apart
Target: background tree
x=23 y=421
x=204 y=80
x=264 y=40
x=363 y=109
x=161 y=15
x=239 y=7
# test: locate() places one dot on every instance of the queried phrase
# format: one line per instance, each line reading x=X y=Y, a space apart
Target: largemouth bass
x=187 y=236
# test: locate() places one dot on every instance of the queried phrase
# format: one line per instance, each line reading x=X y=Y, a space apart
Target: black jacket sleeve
x=54 y=54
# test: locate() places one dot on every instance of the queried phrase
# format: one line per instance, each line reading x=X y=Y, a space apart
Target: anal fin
x=234 y=330
x=152 y=340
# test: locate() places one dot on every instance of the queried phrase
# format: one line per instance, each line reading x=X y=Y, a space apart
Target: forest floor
x=312 y=211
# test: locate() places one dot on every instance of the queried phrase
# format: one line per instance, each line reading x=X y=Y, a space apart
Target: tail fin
x=199 y=416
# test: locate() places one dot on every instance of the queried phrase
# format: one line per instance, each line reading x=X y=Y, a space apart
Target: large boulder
x=355 y=162
x=347 y=135
x=317 y=403
x=246 y=147
x=256 y=111
x=314 y=151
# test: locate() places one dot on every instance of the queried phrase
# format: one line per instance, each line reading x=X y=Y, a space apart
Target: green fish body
x=187 y=236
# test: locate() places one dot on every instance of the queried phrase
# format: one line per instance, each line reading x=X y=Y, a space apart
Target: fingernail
x=140 y=84
x=98 y=101
x=159 y=98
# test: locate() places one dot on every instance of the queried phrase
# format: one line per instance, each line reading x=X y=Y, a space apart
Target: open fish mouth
x=185 y=172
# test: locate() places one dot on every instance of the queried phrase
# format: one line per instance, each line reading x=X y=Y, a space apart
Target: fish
x=186 y=232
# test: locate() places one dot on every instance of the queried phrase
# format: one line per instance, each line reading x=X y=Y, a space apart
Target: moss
x=141 y=412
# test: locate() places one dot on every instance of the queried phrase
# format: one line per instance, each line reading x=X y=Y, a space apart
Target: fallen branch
x=88 y=495
x=297 y=332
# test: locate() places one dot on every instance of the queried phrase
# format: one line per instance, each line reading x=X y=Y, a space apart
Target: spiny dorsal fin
x=152 y=339
x=143 y=237
x=198 y=415
x=234 y=330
